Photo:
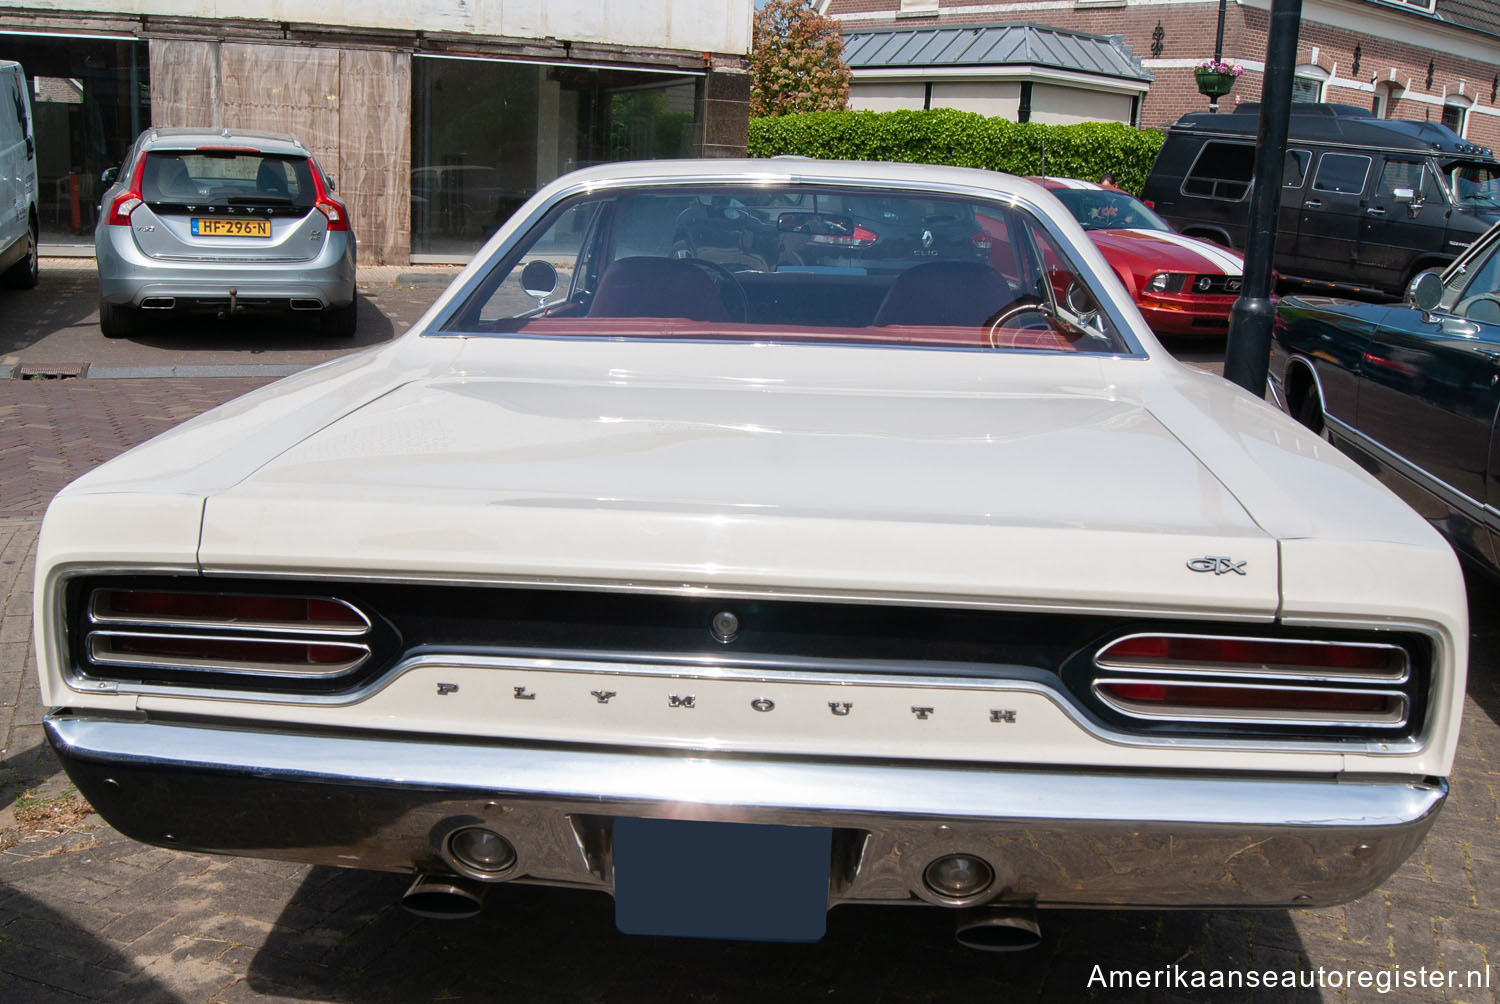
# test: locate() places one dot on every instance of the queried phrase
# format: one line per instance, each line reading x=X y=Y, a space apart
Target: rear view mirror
x=815 y=224
x=1425 y=291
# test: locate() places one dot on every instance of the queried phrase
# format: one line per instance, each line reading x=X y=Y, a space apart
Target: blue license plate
x=739 y=881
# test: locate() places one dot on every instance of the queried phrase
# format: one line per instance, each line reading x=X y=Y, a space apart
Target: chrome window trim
x=274 y=627
x=1400 y=747
x=1324 y=676
x=1251 y=716
x=461 y=295
x=99 y=654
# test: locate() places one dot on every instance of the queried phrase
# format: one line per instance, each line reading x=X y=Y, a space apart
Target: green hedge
x=964 y=139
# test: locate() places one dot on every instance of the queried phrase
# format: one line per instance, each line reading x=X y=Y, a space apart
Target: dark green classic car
x=1411 y=390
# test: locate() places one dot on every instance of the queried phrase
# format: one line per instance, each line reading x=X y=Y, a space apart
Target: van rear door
x=1332 y=214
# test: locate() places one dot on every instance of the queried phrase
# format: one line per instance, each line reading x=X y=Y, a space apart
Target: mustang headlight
x=1166 y=282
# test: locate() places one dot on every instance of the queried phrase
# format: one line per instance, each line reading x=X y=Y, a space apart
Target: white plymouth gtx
x=744 y=538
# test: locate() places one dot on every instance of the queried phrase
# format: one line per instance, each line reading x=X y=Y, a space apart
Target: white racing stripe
x=1227 y=261
x=1075 y=183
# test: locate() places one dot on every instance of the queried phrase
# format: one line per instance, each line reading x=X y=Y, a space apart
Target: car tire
x=25 y=273
x=116 y=321
x=340 y=322
x=1308 y=410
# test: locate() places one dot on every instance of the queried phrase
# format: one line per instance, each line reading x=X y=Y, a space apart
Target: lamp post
x=1248 y=351
x=1213 y=100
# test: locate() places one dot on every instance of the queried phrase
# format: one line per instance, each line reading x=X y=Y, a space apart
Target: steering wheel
x=730 y=290
x=1006 y=318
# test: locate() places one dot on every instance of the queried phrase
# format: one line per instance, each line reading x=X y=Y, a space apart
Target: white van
x=19 y=222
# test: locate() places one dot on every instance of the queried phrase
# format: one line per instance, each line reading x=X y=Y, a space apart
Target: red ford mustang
x=1184 y=286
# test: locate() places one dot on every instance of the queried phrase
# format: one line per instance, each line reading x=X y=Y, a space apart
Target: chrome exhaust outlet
x=998 y=928
x=444 y=897
x=158 y=303
x=306 y=303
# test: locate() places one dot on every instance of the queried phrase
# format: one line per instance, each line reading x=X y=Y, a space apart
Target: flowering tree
x=797 y=64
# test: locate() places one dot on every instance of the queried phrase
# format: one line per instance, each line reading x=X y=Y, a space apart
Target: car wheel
x=1308 y=410
x=340 y=322
x=116 y=321
x=25 y=273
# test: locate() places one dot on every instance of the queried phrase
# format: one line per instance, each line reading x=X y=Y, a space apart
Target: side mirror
x=1425 y=291
x=1080 y=301
x=1404 y=194
x=332 y=185
x=108 y=176
x=539 y=280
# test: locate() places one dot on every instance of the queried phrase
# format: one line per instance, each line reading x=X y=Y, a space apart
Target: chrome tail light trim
x=103 y=650
x=102 y=612
x=1278 y=671
x=1394 y=715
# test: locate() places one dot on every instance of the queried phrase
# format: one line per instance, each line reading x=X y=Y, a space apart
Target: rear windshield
x=1104 y=210
x=794 y=264
x=229 y=178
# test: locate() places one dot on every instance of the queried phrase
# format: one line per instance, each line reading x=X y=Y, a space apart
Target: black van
x=1366 y=203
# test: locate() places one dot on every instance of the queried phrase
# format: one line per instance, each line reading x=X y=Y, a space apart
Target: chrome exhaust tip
x=306 y=303
x=444 y=897
x=158 y=303
x=998 y=928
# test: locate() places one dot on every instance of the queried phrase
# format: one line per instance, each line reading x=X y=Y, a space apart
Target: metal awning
x=975 y=51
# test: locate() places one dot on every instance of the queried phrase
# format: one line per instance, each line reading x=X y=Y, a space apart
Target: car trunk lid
x=1049 y=498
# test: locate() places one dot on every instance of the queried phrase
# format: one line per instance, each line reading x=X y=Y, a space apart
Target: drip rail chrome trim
x=1273 y=672
x=1394 y=718
x=101 y=652
x=96 y=616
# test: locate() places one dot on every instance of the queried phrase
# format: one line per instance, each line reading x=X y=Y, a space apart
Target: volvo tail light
x=128 y=201
x=335 y=211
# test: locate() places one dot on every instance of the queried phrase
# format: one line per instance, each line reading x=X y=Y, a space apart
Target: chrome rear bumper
x=1056 y=838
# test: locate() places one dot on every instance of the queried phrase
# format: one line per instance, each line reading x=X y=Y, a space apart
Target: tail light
x=860 y=238
x=336 y=213
x=981 y=241
x=128 y=201
x=172 y=635
x=1212 y=683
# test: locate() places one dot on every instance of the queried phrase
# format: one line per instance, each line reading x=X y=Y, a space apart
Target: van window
x=1294 y=171
x=1342 y=172
x=1412 y=174
x=1222 y=171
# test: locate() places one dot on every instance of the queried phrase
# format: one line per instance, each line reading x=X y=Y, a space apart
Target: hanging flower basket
x=1216 y=79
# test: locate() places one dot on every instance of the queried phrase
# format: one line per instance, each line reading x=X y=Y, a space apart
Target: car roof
x=1055 y=184
x=799 y=170
x=1336 y=125
x=190 y=139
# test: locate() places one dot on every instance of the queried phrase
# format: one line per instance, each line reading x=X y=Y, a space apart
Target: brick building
x=1435 y=60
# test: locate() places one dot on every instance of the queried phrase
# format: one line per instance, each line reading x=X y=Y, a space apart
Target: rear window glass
x=796 y=264
x=231 y=178
x=1222 y=171
x=1342 y=172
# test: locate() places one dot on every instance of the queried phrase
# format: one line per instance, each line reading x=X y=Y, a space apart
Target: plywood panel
x=375 y=151
x=286 y=89
x=184 y=83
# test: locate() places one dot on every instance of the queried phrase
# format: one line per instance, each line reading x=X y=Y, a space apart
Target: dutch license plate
x=741 y=881
x=209 y=227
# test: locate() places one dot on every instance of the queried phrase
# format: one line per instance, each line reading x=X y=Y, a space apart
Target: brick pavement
x=87 y=915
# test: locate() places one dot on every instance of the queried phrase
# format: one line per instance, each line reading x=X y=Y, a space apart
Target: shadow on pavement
x=187 y=333
x=49 y=958
x=343 y=938
x=1484 y=640
x=62 y=298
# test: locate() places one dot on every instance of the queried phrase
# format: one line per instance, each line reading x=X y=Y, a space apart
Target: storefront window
x=90 y=98
x=486 y=134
